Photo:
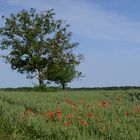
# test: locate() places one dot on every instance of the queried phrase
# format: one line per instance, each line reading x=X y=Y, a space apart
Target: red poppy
x=89 y=115
x=69 y=101
x=104 y=104
x=81 y=101
x=67 y=124
x=126 y=113
x=50 y=114
x=28 y=111
x=59 y=114
x=83 y=122
x=75 y=108
x=79 y=118
x=73 y=104
x=70 y=115
x=88 y=104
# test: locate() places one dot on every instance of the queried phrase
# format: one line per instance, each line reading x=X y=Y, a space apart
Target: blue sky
x=108 y=32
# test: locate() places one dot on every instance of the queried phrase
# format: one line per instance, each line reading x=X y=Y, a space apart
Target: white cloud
x=89 y=20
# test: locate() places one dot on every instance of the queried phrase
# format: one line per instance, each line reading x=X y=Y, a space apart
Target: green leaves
x=40 y=46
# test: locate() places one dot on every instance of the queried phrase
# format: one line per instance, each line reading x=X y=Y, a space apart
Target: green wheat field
x=70 y=115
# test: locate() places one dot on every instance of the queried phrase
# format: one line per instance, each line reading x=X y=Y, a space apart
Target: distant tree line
x=40 y=46
x=107 y=88
x=53 y=89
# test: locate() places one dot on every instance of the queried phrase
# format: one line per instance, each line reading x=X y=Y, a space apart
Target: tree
x=64 y=62
x=35 y=42
x=62 y=73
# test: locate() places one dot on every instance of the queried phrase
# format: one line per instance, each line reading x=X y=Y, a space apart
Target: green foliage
x=63 y=74
x=23 y=115
x=37 y=43
x=35 y=89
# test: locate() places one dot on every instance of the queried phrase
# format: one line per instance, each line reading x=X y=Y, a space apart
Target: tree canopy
x=40 y=46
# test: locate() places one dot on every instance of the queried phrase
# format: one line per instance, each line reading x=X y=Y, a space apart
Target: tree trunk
x=40 y=79
x=41 y=83
x=63 y=86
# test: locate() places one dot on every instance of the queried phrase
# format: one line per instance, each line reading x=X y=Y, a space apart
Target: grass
x=70 y=115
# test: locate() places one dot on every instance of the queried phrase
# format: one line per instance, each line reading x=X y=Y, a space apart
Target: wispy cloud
x=88 y=19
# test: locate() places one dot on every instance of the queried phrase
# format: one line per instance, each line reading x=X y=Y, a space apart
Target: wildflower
x=50 y=114
x=80 y=101
x=83 y=122
x=104 y=104
x=73 y=105
x=126 y=113
x=89 y=115
x=79 y=118
x=67 y=124
x=28 y=111
x=75 y=108
x=70 y=115
x=59 y=114
x=69 y=101
x=88 y=104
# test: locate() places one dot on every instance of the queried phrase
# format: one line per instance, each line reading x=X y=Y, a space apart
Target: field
x=70 y=115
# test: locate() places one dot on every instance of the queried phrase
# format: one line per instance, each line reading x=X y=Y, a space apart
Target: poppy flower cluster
x=83 y=118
